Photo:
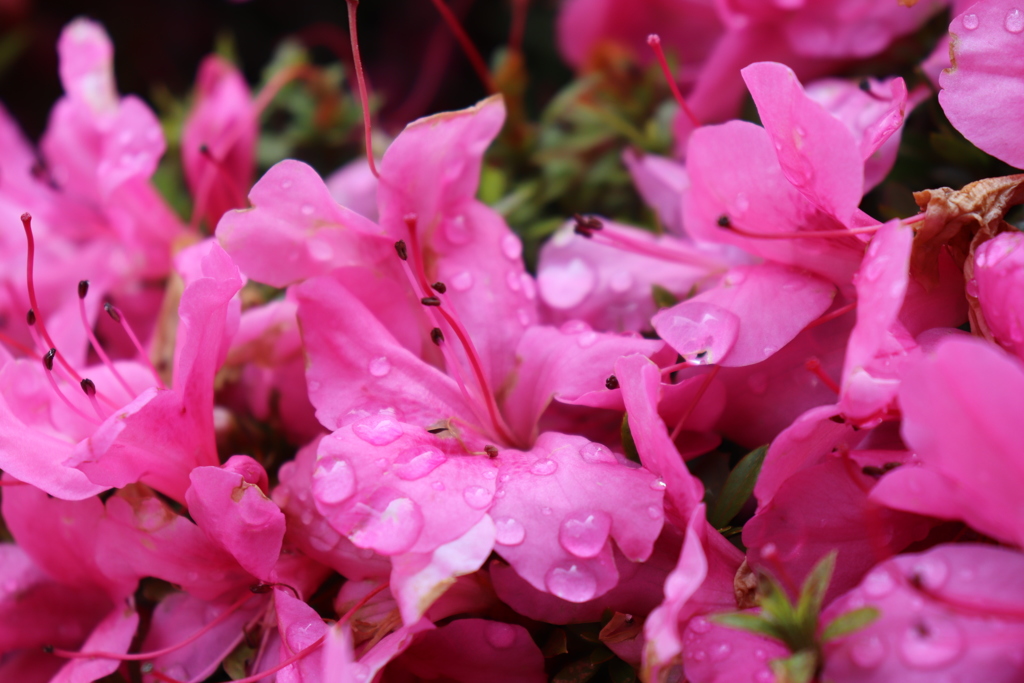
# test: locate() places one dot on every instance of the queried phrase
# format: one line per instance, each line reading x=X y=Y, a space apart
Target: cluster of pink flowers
x=489 y=457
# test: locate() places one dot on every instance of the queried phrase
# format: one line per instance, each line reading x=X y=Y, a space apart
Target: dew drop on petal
x=878 y=583
x=587 y=339
x=972 y=288
x=437 y=486
x=700 y=625
x=931 y=642
x=571 y=582
x=513 y=281
x=764 y=676
x=456 y=230
x=462 y=281
x=868 y=652
x=511 y=247
x=285 y=184
x=1014 y=21
x=658 y=484
x=477 y=497
x=379 y=367
x=490 y=474
x=334 y=481
x=320 y=250
x=508 y=531
x=594 y=453
x=932 y=572
x=307 y=210
x=585 y=533
x=417 y=462
x=970 y=21
x=655 y=512
x=564 y=286
x=620 y=281
x=702 y=333
x=523 y=316
x=378 y=430
x=306 y=518
x=544 y=467
x=501 y=636
x=545 y=510
x=393 y=530
x=720 y=652
x=529 y=287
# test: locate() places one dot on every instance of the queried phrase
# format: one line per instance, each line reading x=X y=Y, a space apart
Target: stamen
x=673 y=368
x=841 y=311
x=115 y=313
x=400 y=248
x=814 y=365
x=608 y=235
x=724 y=222
x=361 y=79
x=586 y=225
x=261 y=588
x=14 y=343
x=90 y=390
x=430 y=301
x=30 y=317
x=479 y=65
x=518 y=28
x=142 y=656
x=48 y=364
x=693 y=404
x=437 y=336
x=472 y=355
x=83 y=289
x=654 y=40
x=35 y=318
x=611 y=383
x=491 y=451
x=439 y=287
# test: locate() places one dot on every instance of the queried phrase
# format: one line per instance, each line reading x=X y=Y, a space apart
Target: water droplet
x=511 y=247
x=595 y=453
x=757 y=383
x=392 y=530
x=868 y=652
x=490 y=474
x=764 y=676
x=334 y=480
x=740 y=205
x=700 y=655
x=702 y=333
x=932 y=572
x=720 y=652
x=529 y=287
x=972 y=288
x=456 y=230
x=571 y=582
x=379 y=430
x=769 y=350
x=285 y=184
x=508 y=531
x=501 y=636
x=565 y=285
x=655 y=512
x=762 y=655
x=382 y=463
x=462 y=281
x=544 y=467
x=970 y=21
x=700 y=625
x=437 y=486
x=1014 y=21
x=585 y=533
x=477 y=497
x=658 y=484
x=418 y=462
x=380 y=366
x=307 y=209
x=878 y=583
x=513 y=281
x=499 y=494
x=320 y=250
x=523 y=316
x=545 y=510
x=621 y=281
x=931 y=642
x=587 y=339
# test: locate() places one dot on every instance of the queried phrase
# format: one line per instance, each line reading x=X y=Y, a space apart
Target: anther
x=724 y=222
x=83 y=288
x=838 y=419
x=48 y=649
x=437 y=336
x=89 y=387
x=48 y=359
x=587 y=225
x=439 y=287
x=112 y=312
x=30 y=317
x=400 y=248
x=491 y=451
x=430 y=301
x=612 y=382
x=865 y=85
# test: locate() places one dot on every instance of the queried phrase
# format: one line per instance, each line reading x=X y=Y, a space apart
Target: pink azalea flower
x=983 y=86
x=997 y=287
x=953 y=612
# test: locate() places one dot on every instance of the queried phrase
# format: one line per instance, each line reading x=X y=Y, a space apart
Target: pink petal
x=355 y=187
x=470 y=650
x=982 y=93
x=661 y=182
x=999 y=284
x=86 y=64
x=113 y=634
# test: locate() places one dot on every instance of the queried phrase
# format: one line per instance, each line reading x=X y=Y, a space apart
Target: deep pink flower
x=998 y=283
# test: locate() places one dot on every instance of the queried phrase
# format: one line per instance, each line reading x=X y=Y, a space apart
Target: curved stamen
x=474 y=56
x=89 y=387
x=592 y=228
x=841 y=311
x=725 y=223
x=654 y=40
x=115 y=313
x=814 y=365
x=48 y=364
x=83 y=289
x=26 y=222
x=14 y=343
x=361 y=79
x=673 y=368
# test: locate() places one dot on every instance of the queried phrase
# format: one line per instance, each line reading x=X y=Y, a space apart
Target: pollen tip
x=430 y=301
x=89 y=387
x=491 y=451
x=48 y=359
x=612 y=382
x=437 y=336
x=30 y=317
x=26 y=217
x=654 y=39
x=400 y=248
x=112 y=312
x=83 y=288
x=440 y=287
x=724 y=222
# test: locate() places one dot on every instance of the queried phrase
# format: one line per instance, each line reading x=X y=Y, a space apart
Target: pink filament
x=361 y=79
x=654 y=40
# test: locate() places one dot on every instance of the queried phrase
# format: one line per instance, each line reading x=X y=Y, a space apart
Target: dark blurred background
x=413 y=62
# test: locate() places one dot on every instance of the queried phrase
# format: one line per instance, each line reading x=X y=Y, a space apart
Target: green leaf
x=662 y=297
x=797 y=668
x=556 y=644
x=812 y=595
x=738 y=487
x=851 y=621
x=745 y=621
x=628 y=445
x=584 y=669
